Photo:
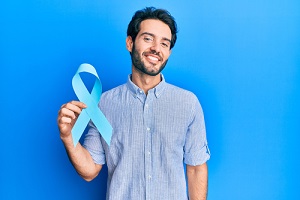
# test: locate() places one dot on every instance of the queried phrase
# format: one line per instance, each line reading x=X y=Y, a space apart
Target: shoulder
x=182 y=96
x=110 y=99
x=180 y=92
x=114 y=92
x=183 y=99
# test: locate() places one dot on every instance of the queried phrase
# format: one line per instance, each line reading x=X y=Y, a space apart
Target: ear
x=129 y=43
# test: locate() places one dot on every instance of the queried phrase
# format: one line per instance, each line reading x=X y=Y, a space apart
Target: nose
x=156 y=47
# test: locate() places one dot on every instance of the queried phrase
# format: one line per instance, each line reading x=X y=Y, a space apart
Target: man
x=156 y=126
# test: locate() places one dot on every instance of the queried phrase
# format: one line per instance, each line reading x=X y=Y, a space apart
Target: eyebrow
x=151 y=34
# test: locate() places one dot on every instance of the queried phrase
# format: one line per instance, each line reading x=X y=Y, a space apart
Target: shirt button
x=149 y=153
x=140 y=91
x=148 y=129
x=146 y=105
x=149 y=177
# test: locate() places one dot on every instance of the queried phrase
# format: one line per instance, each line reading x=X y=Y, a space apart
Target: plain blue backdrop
x=241 y=58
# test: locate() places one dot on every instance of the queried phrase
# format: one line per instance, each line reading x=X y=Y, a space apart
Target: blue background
x=241 y=58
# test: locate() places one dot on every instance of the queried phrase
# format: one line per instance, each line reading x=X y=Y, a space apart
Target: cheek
x=166 y=55
x=139 y=51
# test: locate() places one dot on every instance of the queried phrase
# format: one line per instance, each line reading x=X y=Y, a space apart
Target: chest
x=160 y=122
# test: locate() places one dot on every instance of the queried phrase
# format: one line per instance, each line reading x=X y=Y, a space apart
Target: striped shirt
x=154 y=135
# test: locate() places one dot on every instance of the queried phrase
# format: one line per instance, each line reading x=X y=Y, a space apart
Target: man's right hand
x=78 y=155
x=67 y=116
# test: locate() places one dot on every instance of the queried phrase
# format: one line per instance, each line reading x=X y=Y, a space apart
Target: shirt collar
x=158 y=90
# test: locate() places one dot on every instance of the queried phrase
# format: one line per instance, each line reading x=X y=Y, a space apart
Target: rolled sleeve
x=196 y=151
x=198 y=157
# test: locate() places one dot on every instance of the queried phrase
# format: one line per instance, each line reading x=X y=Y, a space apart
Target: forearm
x=197 y=182
x=81 y=159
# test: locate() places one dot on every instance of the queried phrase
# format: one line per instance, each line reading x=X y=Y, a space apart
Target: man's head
x=151 y=35
x=152 y=13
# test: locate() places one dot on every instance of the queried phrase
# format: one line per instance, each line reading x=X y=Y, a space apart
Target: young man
x=156 y=126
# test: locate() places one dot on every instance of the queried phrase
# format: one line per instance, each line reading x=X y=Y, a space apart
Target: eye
x=165 y=45
x=148 y=39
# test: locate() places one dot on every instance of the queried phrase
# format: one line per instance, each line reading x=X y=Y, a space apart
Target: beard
x=140 y=65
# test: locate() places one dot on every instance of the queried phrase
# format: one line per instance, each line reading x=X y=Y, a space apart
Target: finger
x=65 y=120
x=73 y=107
x=79 y=104
x=67 y=112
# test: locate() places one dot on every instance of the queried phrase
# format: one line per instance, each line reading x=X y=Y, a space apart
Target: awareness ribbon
x=92 y=112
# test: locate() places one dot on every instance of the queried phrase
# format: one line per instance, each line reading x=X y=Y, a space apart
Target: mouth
x=154 y=59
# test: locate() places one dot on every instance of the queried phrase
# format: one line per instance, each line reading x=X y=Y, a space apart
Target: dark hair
x=152 y=13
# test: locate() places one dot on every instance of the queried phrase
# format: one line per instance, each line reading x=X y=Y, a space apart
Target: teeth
x=153 y=58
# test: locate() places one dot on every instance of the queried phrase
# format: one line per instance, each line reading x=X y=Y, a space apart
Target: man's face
x=151 y=49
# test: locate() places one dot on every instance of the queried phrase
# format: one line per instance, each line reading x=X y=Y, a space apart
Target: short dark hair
x=152 y=13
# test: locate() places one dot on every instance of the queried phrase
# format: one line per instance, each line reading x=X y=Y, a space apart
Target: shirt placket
x=148 y=140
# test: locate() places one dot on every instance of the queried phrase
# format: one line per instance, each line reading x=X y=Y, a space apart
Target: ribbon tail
x=79 y=126
x=104 y=128
x=100 y=122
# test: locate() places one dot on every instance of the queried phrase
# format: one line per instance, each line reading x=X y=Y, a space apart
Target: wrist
x=66 y=137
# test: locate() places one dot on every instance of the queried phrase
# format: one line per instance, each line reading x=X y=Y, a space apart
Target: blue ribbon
x=92 y=112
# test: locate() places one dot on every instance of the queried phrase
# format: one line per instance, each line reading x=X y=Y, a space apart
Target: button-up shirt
x=154 y=135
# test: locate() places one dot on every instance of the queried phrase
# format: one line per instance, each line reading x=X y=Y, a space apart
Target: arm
x=197 y=181
x=79 y=156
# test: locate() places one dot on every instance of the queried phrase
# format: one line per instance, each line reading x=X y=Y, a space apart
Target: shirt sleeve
x=196 y=150
x=92 y=142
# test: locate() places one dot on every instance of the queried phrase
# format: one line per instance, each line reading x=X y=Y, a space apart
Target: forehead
x=156 y=27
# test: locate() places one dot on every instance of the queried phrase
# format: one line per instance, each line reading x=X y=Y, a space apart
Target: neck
x=145 y=81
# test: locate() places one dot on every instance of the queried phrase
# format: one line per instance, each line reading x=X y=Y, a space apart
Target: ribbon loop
x=92 y=112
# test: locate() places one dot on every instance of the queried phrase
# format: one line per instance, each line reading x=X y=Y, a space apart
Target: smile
x=152 y=58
